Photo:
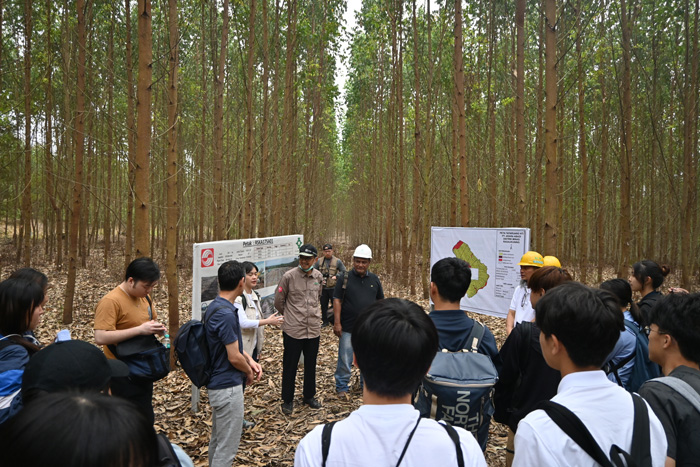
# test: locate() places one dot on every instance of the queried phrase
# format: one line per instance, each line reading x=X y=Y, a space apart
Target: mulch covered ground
x=274 y=438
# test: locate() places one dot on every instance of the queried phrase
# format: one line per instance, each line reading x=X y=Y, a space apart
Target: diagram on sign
x=480 y=275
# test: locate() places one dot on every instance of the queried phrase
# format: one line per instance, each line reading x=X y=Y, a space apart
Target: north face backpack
x=193 y=352
x=643 y=368
x=459 y=388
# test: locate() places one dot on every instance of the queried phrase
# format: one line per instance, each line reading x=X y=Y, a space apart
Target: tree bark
x=583 y=156
x=78 y=179
x=551 y=228
x=461 y=112
x=521 y=179
x=625 y=146
x=27 y=188
x=173 y=207
x=218 y=210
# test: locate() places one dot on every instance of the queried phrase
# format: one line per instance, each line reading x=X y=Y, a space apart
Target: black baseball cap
x=308 y=250
x=327 y=246
x=71 y=364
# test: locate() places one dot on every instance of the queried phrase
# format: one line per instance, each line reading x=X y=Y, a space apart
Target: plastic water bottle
x=166 y=341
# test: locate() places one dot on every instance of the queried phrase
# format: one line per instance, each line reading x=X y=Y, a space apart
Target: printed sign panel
x=493 y=255
x=272 y=255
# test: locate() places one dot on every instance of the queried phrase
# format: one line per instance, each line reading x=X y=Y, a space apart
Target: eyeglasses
x=647 y=330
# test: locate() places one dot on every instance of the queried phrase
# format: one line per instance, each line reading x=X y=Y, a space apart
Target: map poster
x=272 y=255
x=493 y=255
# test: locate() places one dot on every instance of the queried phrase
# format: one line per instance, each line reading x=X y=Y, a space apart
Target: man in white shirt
x=580 y=327
x=520 y=307
x=394 y=342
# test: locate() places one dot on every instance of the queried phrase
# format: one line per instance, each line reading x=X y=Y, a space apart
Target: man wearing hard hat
x=520 y=306
x=357 y=290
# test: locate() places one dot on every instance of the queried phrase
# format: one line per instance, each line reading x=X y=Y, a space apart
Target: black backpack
x=640 y=453
x=193 y=351
x=166 y=453
x=643 y=369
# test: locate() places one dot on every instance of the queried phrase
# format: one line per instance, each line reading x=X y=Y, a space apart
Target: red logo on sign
x=207 y=257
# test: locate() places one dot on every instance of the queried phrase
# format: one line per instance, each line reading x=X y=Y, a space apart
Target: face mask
x=306 y=270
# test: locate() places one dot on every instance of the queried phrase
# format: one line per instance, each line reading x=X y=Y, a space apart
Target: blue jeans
x=343 y=370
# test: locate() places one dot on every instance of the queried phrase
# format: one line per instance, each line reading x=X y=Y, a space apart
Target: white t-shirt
x=605 y=409
x=521 y=304
x=377 y=434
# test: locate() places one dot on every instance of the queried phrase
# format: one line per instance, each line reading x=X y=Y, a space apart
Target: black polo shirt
x=360 y=293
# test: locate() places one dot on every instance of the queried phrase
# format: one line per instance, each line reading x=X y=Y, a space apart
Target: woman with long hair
x=21 y=308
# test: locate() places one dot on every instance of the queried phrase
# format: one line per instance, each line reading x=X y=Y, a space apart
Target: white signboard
x=493 y=255
x=272 y=255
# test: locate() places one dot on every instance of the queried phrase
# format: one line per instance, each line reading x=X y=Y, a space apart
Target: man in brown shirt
x=297 y=298
x=126 y=312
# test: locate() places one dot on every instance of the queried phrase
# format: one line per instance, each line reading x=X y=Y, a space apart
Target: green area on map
x=462 y=251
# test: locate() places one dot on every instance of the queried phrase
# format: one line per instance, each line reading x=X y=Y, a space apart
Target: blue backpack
x=193 y=351
x=459 y=387
x=643 y=369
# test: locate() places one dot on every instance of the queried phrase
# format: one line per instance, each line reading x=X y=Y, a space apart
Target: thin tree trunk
x=142 y=192
x=110 y=142
x=551 y=228
x=218 y=210
x=288 y=115
x=172 y=183
x=602 y=173
x=27 y=188
x=248 y=205
x=583 y=156
x=461 y=112
x=263 y=207
x=625 y=146
x=521 y=178
x=78 y=180
x=131 y=138
x=417 y=153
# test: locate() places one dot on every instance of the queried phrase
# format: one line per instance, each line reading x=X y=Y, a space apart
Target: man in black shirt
x=674 y=343
x=353 y=293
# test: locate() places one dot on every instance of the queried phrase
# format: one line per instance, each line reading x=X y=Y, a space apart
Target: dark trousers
x=290 y=360
x=327 y=296
x=140 y=393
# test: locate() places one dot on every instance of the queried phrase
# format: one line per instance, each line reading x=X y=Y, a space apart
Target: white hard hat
x=363 y=251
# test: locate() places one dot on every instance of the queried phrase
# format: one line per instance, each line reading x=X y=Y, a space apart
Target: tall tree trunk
x=602 y=172
x=131 y=138
x=416 y=230
x=263 y=208
x=462 y=119
x=219 y=130
x=583 y=156
x=625 y=146
x=248 y=205
x=551 y=228
x=78 y=179
x=142 y=191
x=690 y=112
x=110 y=141
x=521 y=178
x=491 y=112
x=172 y=185
x=27 y=188
x=48 y=156
x=288 y=115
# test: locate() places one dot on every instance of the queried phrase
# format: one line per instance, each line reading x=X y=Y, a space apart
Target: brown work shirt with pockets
x=297 y=298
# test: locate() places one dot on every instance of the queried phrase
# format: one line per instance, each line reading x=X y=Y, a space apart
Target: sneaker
x=313 y=403
x=287 y=408
x=247 y=424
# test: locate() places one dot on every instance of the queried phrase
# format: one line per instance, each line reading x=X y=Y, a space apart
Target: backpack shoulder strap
x=455 y=439
x=641 y=439
x=326 y=440
x=244 y=301
x=576 y=430
x=150 y=307
x=475 y=336
x=682 y=388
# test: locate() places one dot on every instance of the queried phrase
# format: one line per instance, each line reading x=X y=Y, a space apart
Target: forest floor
x=273 y=440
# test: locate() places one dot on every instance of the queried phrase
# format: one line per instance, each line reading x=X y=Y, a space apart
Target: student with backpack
x=590 y=421
x=674 y=343
x=525 y=379
x=21 y=308
x=394 y=343
x=450 y=279
x=646 y=278
x=628 y=364
x=231 y=366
